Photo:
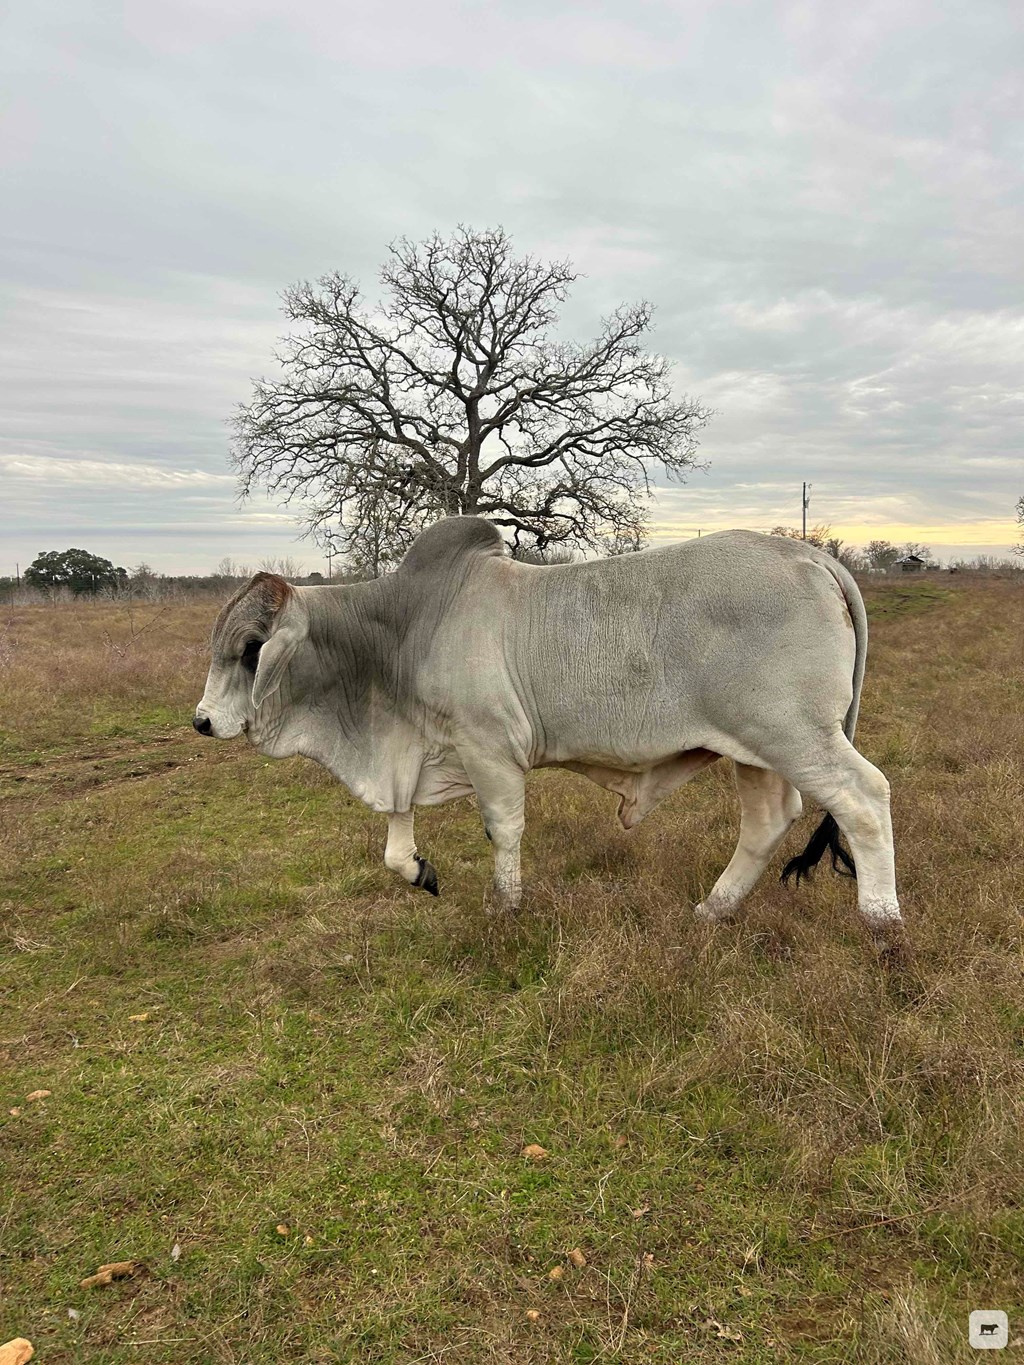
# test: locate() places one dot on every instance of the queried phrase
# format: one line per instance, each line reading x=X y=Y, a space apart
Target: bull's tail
x=827 y=836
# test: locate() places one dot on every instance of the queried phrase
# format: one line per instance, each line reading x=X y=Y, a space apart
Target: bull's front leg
x=500 y=788
x=400 y=853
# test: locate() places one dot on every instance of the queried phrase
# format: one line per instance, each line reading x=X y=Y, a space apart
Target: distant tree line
x=878 y=556
x=76 y=573
x=67 y=575
x=71 y=574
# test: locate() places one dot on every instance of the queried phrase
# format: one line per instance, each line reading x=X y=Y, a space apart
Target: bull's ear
x=277 y=652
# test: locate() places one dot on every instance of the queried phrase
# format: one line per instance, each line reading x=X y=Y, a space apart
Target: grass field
x=297 y=1092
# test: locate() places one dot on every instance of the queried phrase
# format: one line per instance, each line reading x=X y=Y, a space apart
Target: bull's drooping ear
x=289 y=632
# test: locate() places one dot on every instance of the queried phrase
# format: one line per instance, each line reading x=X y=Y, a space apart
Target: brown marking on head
x=253 y=607
x=272 y=587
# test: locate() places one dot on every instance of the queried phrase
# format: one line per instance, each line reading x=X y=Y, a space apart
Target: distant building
x=913 y=564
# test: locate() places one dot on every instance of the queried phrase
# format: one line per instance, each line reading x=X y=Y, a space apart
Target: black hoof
x=427 y=876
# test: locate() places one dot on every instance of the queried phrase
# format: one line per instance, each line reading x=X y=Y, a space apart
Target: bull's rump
x=723 y=643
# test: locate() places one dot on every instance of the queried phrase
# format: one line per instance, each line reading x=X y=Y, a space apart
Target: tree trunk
x=472 y=490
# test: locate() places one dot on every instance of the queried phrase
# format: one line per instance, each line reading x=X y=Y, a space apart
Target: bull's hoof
x=895 y=957
x=892 y=945
x=498 y=904
x=427 y=876
x=496 y=909
x=706 y=913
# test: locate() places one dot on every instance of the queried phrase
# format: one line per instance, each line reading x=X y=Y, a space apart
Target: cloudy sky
x=823 y=202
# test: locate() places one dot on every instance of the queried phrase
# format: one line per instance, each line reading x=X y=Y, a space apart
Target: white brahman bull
x=464 y=669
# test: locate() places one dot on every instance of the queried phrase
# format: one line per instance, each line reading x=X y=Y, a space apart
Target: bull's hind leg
x=856 y=794
x=768 y=807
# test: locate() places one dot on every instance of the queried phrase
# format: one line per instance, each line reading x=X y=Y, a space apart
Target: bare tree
x=227 y=568
x=1019 y=549
x=380 y=530
x=820 y=536
x=453 y=396
x=284 y=565
x=881 y=555
x=851 y=558
x=142 y=581
x=920 y=550
x=554 y=554
x=624 y=540
x=372 y=532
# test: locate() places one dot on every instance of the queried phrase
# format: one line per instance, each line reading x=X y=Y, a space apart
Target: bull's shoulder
x=451 y=542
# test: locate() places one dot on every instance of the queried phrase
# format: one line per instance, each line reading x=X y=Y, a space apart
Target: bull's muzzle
x=202 y=724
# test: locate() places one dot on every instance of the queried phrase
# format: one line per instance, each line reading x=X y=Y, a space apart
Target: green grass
x=907 y=596
x=766 y=1145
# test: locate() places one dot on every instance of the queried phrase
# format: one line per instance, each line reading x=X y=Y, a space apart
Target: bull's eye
x=251 y=655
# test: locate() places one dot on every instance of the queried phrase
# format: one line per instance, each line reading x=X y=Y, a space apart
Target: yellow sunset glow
x=993 y=532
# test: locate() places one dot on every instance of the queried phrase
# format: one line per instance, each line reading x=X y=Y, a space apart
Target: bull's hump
x=449 y=541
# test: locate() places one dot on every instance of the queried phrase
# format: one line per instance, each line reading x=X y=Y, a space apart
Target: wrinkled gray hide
x=463 y=669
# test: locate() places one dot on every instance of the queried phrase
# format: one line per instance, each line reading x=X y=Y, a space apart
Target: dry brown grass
x=63 y=666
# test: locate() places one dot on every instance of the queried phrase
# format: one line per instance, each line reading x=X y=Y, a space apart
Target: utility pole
x=805 y=499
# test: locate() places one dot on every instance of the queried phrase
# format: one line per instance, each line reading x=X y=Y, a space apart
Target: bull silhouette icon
x=988 y=1329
